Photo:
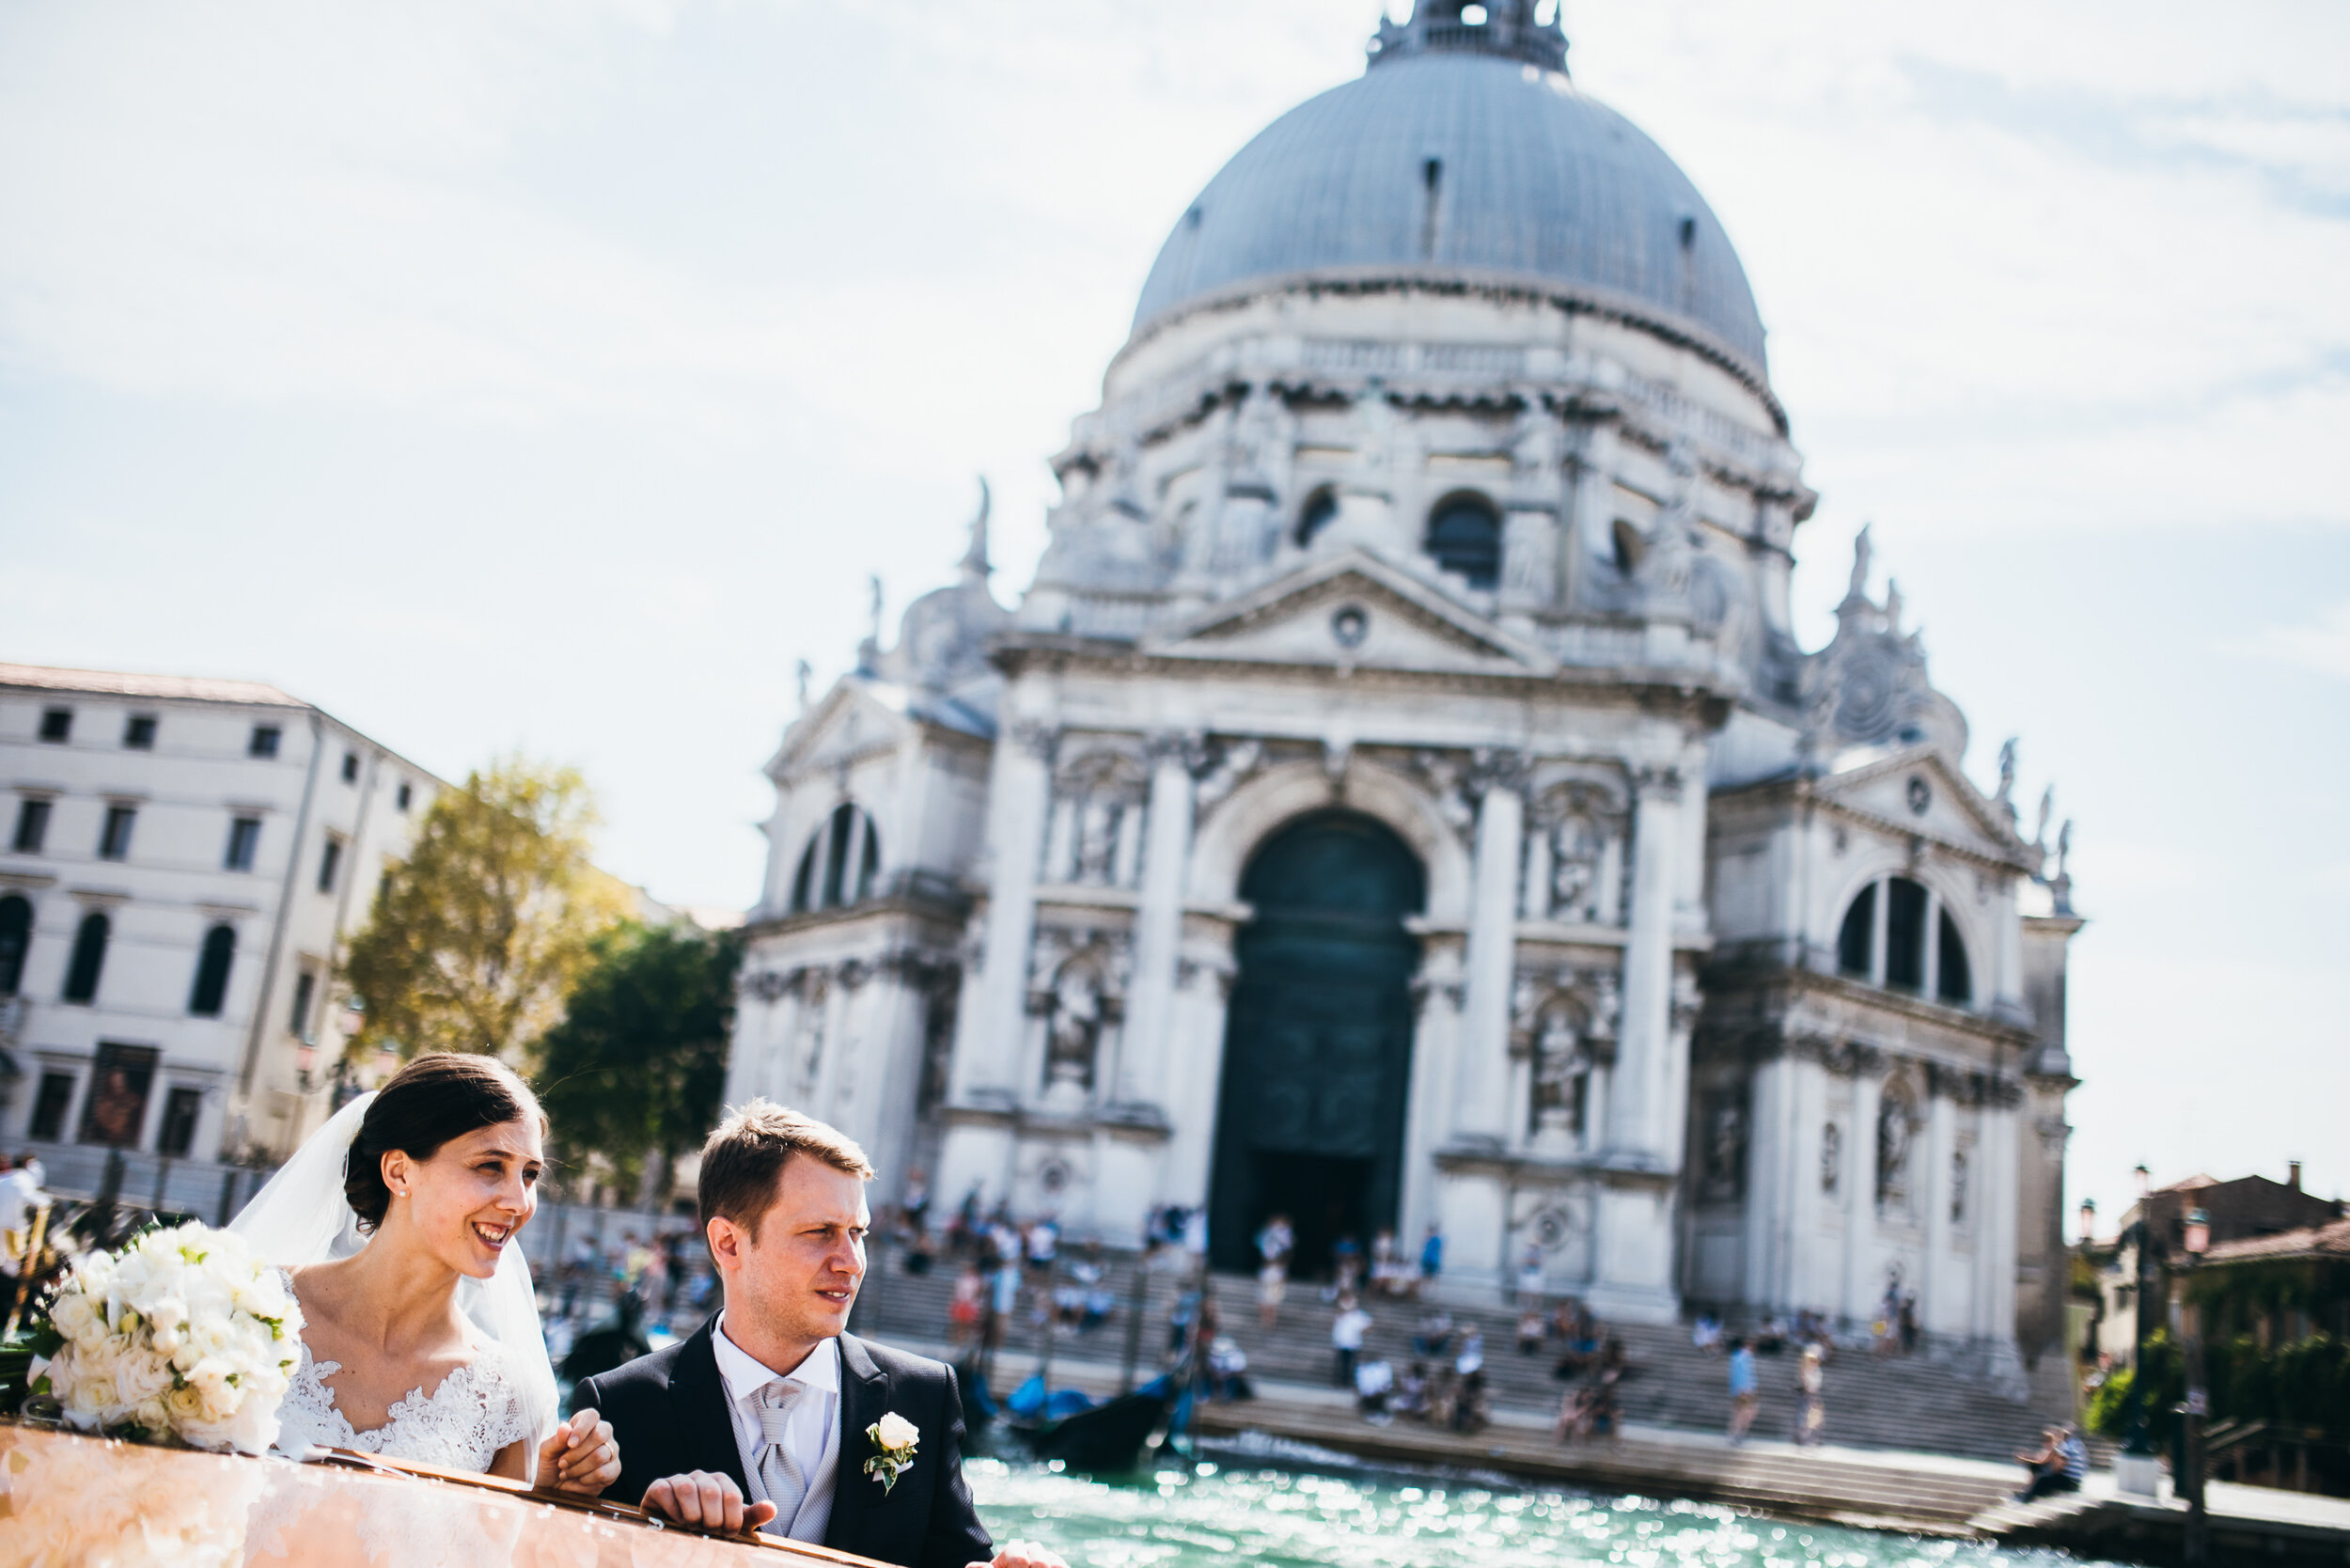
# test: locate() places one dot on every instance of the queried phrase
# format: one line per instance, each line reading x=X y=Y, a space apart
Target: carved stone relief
x=1575 y=863
x=1076 y=996
x=1722 y=1169
x=1095 y=834
x=1897 y=1128
x=1222 y=766
x=1563 y=1024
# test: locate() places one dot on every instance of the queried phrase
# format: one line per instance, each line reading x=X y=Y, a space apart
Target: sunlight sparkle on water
x=1182 y=1519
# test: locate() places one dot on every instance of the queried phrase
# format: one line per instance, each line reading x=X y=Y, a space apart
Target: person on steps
x=1811 y=1409
x=2058 y=1467
x=1745 y=1393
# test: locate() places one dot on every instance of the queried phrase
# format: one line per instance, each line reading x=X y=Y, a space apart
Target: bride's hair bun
x=433 y=1099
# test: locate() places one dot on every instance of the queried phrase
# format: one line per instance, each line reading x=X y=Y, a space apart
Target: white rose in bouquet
x=186 y=1335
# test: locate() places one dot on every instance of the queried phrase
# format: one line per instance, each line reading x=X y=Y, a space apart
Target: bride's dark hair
x=436 y=1097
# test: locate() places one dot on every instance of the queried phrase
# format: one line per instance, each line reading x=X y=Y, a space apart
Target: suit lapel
x=863 y=1399
x=705 y=1425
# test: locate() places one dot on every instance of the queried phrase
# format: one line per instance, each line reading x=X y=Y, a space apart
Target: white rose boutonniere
x=894 y=1438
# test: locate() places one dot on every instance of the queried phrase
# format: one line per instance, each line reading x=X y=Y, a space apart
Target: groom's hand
x=1022 y=1554
x=707 y=1502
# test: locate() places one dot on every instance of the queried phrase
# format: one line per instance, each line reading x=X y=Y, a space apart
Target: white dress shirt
x=813 y=1435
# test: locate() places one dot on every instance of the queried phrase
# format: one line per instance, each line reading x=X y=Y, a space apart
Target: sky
x=519 y=374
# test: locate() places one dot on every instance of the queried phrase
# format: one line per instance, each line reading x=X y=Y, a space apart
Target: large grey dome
x=1470 y=165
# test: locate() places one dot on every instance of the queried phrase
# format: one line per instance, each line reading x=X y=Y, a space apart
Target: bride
x=396 y=1225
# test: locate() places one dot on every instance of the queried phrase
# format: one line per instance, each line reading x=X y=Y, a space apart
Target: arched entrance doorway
x=1318 y=1046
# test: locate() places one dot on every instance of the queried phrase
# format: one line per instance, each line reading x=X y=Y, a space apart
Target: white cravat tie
x=779 y=1470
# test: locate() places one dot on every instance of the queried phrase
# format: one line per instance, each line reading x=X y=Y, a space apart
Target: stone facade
x=1496 y=557
x=185 y=859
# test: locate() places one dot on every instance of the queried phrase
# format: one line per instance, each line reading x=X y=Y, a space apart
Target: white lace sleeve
x=505 y=1412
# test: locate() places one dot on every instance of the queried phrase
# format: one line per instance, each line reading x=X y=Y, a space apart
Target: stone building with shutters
x=1399 y=797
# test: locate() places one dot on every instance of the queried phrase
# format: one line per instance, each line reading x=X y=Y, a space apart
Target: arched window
x=1464 y=538
x=1629 y=547
x=839 y=866
x=1856 y=944
x=1320 y=510
x=1956 y=982
x=1905 y=935
x=16 y=933
x=803 y=880
x=89 y=957
x=1909 y=913
x=212 y=972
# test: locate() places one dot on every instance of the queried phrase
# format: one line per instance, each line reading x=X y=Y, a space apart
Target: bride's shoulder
x=323 y=1284
x=491 y=1364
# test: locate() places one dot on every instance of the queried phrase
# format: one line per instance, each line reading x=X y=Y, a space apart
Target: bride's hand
x=581 y=1455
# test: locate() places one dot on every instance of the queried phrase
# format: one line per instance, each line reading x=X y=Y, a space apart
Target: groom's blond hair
x=743 y=1158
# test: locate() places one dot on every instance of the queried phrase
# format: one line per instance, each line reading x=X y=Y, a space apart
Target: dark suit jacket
x=669 y=1412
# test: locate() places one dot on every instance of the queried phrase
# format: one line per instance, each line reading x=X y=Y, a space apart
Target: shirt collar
x=745 y=1374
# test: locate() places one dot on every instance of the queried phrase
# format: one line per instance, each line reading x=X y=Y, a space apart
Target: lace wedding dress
x=478 y=1409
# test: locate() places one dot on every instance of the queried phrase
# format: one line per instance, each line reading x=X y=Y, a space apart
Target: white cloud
x=2324 y=647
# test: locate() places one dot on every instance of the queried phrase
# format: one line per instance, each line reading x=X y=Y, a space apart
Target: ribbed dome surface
x=1531 y=178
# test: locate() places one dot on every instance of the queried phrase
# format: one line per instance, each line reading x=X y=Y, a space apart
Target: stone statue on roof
x=1862 y=553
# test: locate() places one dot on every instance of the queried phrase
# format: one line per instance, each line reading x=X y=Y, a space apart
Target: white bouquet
x=186 y=1335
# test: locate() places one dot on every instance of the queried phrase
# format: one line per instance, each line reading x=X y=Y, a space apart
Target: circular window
x=1921 y=796
x=1350 y=625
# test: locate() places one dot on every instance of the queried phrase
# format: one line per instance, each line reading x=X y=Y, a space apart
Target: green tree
x=637 y=1065
x=476 y=936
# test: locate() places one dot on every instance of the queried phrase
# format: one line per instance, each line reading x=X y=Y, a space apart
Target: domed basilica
x=1400 y=799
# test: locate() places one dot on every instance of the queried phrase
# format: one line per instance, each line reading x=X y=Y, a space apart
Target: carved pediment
x=1352 y=611
x=854 y=719
x=1916 y=789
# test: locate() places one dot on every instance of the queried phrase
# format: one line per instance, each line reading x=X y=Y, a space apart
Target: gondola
x=1066 y=1427
x=1109 y=1436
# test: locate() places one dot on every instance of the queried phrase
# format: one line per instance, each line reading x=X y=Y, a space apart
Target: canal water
x=1227 y=1514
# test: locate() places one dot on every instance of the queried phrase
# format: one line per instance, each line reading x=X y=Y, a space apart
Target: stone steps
x=1917 y=1404
x=1846 y=1485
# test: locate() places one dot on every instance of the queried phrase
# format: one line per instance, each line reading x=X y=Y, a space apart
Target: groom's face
x=799 y=1276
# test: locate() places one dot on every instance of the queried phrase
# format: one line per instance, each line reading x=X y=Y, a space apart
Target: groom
x=761 y=1421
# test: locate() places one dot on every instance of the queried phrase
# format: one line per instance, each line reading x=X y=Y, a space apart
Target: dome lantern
x=1507 y=29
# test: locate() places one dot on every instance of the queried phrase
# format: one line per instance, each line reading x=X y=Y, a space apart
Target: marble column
x=1941 y=1144
x=1806 y=1205
x=1637 y=1111
x=1148 y=1070
x=1480 y=1108
x=1768 y=1198
x=1438 y=995
x=988 y=1054
x=1202 y=997
x=1860 y=1191
x=1996 y=1236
